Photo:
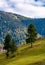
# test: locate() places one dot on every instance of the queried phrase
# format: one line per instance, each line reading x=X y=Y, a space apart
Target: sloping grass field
x=26 y=55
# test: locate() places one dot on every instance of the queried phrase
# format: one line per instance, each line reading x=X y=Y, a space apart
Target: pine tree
x=13 y=47
x=7 y=44
x=32 y=33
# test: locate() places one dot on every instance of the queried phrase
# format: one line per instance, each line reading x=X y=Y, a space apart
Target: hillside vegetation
x=16 y=25
x=26 y=55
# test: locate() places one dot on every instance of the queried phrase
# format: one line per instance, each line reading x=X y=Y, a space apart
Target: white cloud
x=29 y=8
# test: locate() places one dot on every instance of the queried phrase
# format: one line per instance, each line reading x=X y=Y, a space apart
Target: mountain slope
x=16 y=25
x=10 y=23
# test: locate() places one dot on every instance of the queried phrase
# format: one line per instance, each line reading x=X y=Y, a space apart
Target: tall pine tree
x=13 y=47
x=7 y=44
x=32 y=33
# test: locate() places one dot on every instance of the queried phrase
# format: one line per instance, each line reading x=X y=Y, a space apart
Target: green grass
x=27 y=55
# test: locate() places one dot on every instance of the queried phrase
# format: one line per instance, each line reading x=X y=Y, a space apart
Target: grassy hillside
x=27 y=55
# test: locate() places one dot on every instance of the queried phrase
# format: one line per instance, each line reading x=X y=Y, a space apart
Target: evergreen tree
x=7 y=44
x=32 y=33
x=13 y=47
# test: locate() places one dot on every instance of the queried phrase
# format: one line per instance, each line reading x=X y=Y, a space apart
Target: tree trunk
x=31 y=44
x=7 y=54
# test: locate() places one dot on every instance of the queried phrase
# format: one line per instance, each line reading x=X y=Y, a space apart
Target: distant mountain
x=16 y=25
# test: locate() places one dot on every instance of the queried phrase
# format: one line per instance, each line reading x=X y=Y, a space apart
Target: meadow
x=26 y=55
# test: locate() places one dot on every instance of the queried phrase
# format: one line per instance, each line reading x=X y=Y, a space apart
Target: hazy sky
x=28 y=8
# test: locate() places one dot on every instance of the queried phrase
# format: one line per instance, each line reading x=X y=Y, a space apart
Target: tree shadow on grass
x=5 y=61
x=29 y=47
x=38 y=63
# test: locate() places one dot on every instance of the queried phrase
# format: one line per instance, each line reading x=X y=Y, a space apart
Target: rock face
x=17 y=25
x=39 y=36
x=11 y=23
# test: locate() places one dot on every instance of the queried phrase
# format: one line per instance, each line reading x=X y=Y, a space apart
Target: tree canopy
x=31 y=34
